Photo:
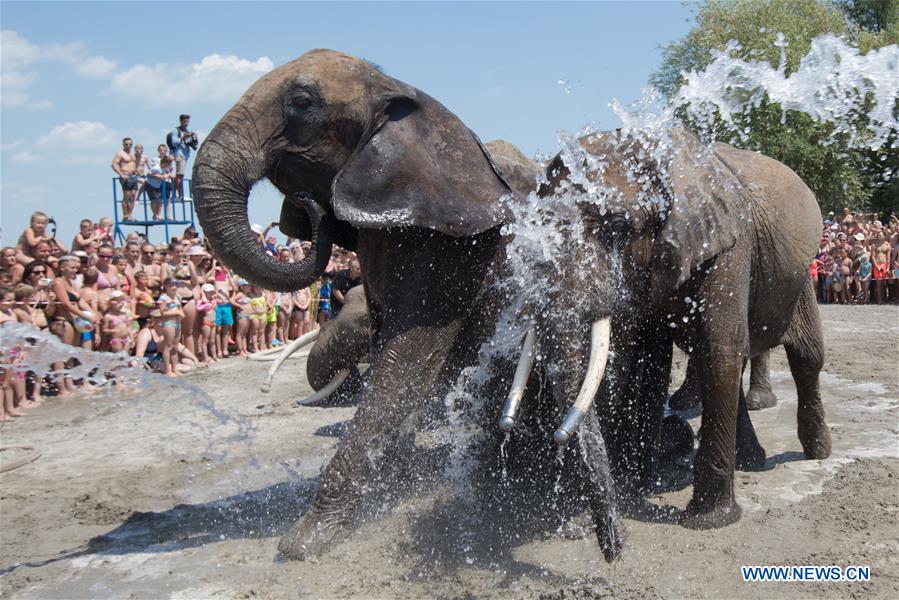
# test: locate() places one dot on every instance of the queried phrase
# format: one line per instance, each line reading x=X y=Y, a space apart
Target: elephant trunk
x=226 y=168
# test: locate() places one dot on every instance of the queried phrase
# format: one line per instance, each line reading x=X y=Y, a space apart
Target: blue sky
x=79 y=76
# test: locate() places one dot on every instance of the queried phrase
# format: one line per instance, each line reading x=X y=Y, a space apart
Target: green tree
x=838 y=174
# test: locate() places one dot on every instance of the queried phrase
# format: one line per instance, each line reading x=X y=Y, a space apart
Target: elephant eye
x=614 y=228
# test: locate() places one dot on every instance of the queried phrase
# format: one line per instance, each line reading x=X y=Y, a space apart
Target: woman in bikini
x=185 y=275
x=108 y=278
x=72 y=316
x=241 y=300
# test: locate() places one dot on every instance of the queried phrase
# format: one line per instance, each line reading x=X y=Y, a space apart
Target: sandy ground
x=167 y=493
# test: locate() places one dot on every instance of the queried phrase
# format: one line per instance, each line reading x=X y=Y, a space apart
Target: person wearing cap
x=116 y=328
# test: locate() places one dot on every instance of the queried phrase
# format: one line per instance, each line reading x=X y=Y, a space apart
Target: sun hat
x=117 y=294
x=859 y=236
x=197 y=251
x=256 y=228
x=242 y=281
x=208 y=287
x=80 y=254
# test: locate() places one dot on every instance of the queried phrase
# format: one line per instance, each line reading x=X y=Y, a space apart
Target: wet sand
x=165 y=492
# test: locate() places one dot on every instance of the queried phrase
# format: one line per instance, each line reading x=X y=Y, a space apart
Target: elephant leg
x=593 y=473
x=634 y=415
x=750 y=454
x=724 y=343
x=601 y=488
x=760 y=393
x=805 y=351
x=687 y=395
x=401 y=378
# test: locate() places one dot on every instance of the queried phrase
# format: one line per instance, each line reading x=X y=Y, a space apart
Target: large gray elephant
x=345 y=341
x=719 y=267
x=375 y=165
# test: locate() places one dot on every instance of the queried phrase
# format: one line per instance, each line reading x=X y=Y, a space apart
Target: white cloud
x=216 y=78
x=79 y=135
x=27 y=157
x=18 y=56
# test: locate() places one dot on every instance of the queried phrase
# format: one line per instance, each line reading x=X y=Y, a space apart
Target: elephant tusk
x=600 y=334
x=327 y=390
x=261 y=353
x=522 y=373
x=303 y=340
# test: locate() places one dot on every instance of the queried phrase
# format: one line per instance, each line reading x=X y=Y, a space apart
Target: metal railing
x=175 y=210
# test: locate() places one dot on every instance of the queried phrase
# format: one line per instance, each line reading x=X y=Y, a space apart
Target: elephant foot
x=684 y=398
x=750 y=456
x=676 y=438
x=758 y=399
x=814 y=435
x=313 y=535
x=719 y=515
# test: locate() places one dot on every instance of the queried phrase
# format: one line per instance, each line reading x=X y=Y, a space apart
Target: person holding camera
x=180 y=142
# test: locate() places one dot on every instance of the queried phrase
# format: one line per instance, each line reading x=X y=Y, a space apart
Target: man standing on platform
x=180 y=141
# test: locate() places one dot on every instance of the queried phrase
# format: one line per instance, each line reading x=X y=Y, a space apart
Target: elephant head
x=350 y=148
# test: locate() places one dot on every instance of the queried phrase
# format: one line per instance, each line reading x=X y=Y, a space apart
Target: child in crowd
x=324 y=300
x=171 y=314
x=206 y=307
x=90 y=293
x=117 y=333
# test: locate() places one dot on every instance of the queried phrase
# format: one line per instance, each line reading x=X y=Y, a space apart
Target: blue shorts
x=223 y=315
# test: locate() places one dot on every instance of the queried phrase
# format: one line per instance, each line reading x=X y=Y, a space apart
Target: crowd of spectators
x=174 y=307
x=858 y=259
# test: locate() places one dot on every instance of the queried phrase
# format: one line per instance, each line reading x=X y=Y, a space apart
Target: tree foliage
x=838 y=174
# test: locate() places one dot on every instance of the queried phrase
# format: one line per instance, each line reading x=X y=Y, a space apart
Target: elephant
x=381 y=168
x=331 y=368
x=377 y=166
x=710 y=253
x=760 y=395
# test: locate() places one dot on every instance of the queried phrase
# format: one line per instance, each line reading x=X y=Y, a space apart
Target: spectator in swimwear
x=87 y=233
x=117 y=333
x=125 y=166
x=29 y=246
x=170 y=311
x=881 y=250
x=9 y=262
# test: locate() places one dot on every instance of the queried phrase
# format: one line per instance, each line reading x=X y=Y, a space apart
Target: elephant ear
x=708 y=207
x=421 y=167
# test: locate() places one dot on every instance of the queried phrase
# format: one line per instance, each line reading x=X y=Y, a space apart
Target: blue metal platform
x=176 y=211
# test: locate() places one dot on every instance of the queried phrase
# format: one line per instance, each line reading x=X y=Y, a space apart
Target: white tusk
x=303 y=340
x=522 y=373
x=600 y=334
x=255 y=355
x=327 y=390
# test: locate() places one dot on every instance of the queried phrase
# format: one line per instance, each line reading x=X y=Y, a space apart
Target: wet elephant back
x=785 y=229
